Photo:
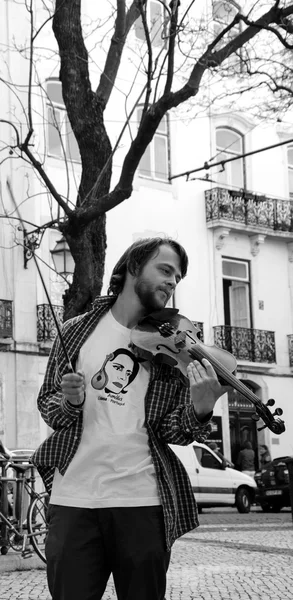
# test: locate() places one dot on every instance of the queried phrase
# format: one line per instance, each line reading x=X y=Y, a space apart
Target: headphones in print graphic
x=100 y=379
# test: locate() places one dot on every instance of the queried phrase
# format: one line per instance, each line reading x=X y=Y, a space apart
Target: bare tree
x=193 y=54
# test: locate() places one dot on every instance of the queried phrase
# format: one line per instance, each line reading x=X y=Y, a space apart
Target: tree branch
x=15 y=129
x=84 y=109
x=171 y=49
x=37 y=165
x=272 y=30
x=214 y=59
x=150 y=58
x=124 y=22
x=30 y=119
x=74 y=74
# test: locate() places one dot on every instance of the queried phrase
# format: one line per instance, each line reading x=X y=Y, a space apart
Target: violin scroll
x=276 y=425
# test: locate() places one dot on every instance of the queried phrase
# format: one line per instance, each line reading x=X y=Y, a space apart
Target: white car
x=213 y=482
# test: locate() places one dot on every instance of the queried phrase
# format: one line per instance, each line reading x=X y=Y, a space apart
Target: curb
x=14 y=562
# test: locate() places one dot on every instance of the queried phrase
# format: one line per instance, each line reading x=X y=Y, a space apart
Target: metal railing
x=249 y=209
x=254 y=345
x=46 y=328
x=5 y=319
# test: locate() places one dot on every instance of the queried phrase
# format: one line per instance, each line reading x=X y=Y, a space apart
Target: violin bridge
x=180 y=340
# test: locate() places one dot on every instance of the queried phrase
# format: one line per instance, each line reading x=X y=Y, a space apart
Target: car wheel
x=242 y=500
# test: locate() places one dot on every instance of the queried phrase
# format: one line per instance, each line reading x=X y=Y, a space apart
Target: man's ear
x=133 y=270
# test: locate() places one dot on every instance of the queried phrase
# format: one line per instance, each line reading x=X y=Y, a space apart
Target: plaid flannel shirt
x=170 y=419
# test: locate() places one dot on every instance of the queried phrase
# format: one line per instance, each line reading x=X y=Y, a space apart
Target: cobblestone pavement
x=229 y=557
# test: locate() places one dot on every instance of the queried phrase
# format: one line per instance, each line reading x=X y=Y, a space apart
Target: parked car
x=273 y=485
x=213 y=482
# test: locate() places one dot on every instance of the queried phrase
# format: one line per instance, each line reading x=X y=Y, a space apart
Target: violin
x=168 y=337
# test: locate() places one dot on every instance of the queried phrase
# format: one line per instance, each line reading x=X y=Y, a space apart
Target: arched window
x=290 y=169
x=61 y=139
x=230 y=144
x=223 y=14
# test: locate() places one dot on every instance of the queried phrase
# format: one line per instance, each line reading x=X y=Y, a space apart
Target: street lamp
x=62 y=258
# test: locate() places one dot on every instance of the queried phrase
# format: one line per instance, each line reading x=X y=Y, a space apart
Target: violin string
x=229 y=377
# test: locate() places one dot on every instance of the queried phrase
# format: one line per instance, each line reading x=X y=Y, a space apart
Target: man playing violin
x=119 y=497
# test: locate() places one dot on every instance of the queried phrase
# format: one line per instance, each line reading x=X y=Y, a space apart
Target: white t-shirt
x=112 y=466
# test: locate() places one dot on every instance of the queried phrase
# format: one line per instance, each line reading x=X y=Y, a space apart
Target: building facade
x=236 y=225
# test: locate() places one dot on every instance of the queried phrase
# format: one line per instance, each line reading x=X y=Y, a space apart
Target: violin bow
x=69 y=364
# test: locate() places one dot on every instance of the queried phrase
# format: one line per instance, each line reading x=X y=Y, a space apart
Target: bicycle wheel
x=37 y=523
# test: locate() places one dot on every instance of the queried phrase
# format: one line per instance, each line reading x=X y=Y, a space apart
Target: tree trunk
x=86 y=114
x=88 y=251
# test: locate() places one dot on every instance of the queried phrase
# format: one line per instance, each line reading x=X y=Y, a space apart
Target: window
x=155 y=162
x=206 y=459
x=290 y=169
x=229 y=143
x=61 y=139
x=236 y=291
x=155 y=19
x=223 y=14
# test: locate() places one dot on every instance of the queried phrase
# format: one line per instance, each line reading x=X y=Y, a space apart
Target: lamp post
x=62 y=258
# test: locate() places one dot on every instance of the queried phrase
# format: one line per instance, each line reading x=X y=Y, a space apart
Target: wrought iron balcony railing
x=5 y=319
x=255 y=211
x=290 y=349
x=254 y=345
x=46 y=328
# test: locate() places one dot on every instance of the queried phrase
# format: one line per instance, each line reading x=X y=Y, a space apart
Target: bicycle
x=20 y=528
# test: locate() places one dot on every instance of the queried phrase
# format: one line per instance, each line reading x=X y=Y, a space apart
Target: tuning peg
x=270 y=402
x=278 y=412
x=255 y=417
x=260 y=428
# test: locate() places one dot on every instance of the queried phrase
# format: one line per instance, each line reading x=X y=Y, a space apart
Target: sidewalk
x=14 y=562
x=250 y=560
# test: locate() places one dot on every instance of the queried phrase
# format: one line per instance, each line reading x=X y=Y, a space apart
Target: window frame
x=151 y=148
x=138 y=26
x=229 y=153
x=246 y=281
x=233 y=59
x=65 y=129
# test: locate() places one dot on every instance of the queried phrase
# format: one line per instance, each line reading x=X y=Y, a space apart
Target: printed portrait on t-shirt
x=115 y=376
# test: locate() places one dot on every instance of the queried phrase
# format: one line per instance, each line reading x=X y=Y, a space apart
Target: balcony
x=5 y=319
x=244 y=211
x=46 y=328
x=254 y=345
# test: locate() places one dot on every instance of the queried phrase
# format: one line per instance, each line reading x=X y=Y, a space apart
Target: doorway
x=242 y=426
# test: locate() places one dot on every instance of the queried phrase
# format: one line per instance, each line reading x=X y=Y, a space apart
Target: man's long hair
x=136 y=257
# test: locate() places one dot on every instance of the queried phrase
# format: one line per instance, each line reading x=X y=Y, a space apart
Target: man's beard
x=146 y=293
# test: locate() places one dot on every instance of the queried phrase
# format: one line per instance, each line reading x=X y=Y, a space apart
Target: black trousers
x=84 y=546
